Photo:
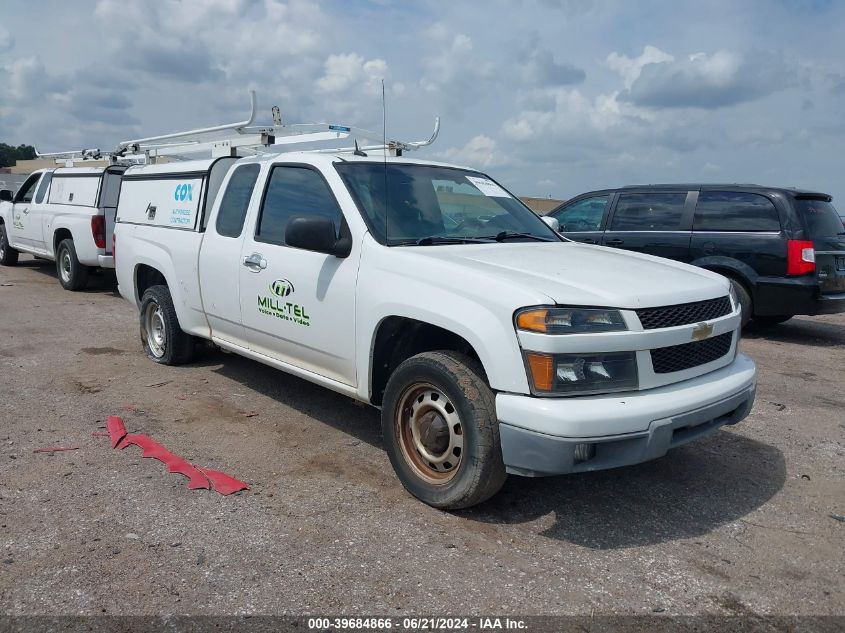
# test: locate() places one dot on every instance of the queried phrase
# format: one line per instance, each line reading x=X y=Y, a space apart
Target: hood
x=570 y=273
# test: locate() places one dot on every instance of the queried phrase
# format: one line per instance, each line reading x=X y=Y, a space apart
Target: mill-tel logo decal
x=284 y=310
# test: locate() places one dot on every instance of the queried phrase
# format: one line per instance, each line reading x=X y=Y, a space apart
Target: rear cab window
x=820 y=217
x=652 y=211
x=730 y=211
x=233 y=207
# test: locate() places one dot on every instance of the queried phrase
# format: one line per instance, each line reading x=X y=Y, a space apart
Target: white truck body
x=339 y=321
x=77 y=203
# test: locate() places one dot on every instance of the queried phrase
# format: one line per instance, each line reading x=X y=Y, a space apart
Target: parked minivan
x=783 y=249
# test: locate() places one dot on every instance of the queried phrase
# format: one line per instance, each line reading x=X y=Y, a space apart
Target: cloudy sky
x=551 y=97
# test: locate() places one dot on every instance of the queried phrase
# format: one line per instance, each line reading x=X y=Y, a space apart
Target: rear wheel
x=163 y=339
x=440 y=427
x=744 y=301
x=72 y=274
x=772 y=319
x=8 y=255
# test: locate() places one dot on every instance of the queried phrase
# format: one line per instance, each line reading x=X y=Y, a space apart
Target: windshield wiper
x=506 y=235
x=443 y=239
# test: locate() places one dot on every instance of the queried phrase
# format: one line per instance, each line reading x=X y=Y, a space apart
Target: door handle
x=255 y=262
x=614 y=242
x=588 y=240
x=25 y=210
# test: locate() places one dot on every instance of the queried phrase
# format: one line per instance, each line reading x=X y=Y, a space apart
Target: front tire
x=163 y=339
x=8 y=255
x=72 y=275
x=441 y=432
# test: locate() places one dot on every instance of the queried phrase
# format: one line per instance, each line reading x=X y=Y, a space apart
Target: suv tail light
x=98 y=230
x=800 y=257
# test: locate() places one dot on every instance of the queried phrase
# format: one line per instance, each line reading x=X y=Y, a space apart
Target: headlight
x=552 y=374
x=569 y=320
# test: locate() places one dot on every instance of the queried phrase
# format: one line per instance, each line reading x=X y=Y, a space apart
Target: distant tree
x=9 y=154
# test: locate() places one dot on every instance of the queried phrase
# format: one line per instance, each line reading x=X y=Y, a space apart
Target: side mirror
x=5 y=195
x=316 y=233
x=552 y=222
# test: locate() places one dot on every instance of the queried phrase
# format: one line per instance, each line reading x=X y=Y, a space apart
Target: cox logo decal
x=281 y=287
x=183 y=192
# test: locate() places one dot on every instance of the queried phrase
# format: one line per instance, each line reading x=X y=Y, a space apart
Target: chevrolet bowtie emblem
x=702 y=331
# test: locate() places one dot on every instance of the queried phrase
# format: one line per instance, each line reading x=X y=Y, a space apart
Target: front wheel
x=744 y=298
x=163 y=339
x=72 y=274
x=8 y=255
x=440 y=427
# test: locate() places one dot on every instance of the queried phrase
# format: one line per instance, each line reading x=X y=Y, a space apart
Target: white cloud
x=480 y=151
x=351 y=71
x=630 y=68
x=6 y=40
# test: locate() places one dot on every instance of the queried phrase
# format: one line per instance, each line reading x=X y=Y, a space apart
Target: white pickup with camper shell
x=490 y=344
x=64 y=214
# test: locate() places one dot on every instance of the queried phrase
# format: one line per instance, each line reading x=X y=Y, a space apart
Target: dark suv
x=783 y=249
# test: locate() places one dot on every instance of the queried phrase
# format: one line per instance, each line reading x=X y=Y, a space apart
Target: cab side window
x=294 y=191
x=42 y=188
x=27 y=190
x=584 y=215
x=649 y=211
x=232 y=212
x=733 y=211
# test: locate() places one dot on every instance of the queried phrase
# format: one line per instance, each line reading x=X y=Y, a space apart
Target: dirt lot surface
x=741 y=522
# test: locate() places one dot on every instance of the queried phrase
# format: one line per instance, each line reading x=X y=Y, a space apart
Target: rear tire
x=768 y=320
x=72 y=275
x=745 y=303
x=8 y=255
x=163 y=340
x=441 y=432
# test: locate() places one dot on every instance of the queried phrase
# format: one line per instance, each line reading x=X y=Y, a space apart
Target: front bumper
x=539 y=435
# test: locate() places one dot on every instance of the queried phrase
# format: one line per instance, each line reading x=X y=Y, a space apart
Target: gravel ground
x=738 y=523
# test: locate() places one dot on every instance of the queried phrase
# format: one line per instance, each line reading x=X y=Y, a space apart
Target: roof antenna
x=358 y=151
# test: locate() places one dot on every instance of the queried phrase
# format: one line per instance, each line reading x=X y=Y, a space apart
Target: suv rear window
x=649 y=211
x=735 y=211
x=821 y=217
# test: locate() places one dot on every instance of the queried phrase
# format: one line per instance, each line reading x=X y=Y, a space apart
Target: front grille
x=684 y=314
x=679 y=357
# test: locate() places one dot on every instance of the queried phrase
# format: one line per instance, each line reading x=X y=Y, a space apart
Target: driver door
x=26 y=220
x=298 y=306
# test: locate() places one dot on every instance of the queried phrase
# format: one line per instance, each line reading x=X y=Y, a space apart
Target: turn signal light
x=542 y=369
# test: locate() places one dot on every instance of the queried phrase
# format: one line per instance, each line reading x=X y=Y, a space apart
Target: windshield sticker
x=488 y=187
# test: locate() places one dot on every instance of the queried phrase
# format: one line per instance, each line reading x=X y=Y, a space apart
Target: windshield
x=821 y=217
x=437 y=205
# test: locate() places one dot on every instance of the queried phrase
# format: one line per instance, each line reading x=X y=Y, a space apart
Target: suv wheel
x=72 y=274
x=439 y=424
x=771 y=320
x=8 y=255
x=744 y=301
x=163 y=339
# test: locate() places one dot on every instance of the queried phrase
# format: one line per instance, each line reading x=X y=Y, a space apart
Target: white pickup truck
x=64 y=214
x=490 y=344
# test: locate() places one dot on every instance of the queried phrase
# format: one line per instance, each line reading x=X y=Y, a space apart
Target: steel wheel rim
x=155 y=330
x=2 y=244
x=65 y=266
x=430 y=433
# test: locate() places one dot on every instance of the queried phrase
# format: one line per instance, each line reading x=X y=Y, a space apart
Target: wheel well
x=58 y=236
x=399 y=338
x=147 y=276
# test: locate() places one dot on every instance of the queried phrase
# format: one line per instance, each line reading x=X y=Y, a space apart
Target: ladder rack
x=244 y=138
